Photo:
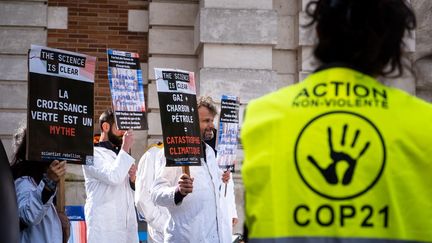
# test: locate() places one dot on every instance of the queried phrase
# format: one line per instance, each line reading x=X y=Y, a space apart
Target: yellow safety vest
x=339 y=155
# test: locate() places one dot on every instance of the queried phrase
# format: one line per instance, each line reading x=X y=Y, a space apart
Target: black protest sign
x=60 y=106
x=179 y=117
x=127 y=90
x=228 y=132
x=230 y=106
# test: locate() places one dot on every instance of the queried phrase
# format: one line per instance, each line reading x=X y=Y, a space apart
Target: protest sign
x=127 y=90
x=228 y=132
x=60 y=105
x=179 y=117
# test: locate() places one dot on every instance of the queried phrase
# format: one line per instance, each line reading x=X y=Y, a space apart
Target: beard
x=116 y=140
x=208 y=134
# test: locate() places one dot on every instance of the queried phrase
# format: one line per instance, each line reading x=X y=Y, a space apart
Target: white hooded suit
x=199 y=217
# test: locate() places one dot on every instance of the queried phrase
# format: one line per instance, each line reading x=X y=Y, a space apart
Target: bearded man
x=195 y=205
x=109 y=209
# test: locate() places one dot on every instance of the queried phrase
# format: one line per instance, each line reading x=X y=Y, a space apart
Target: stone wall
x=22 y=23
x=171 y=28
x=422 y=57
x=92 y=27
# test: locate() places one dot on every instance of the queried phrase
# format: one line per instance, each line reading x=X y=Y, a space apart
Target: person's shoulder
x=208 y=147
x=99 y=149
x=24 y=181
x=280 y=96
x=275 y=95
x=408 y=112
x=154 y=148
x=410 y=101
x=272 y=103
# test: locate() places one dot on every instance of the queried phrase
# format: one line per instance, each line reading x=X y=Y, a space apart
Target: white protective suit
x=199 y=217
x=155 y=216
x=229 y=199
x=109 y=209
x=42 y=220
x=232 y=210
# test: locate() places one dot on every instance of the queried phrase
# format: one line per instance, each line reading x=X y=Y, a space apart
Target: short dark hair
x=106 y=116
x=367 y=34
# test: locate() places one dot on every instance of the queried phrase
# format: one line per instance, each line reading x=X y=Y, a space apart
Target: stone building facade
x=243 y=47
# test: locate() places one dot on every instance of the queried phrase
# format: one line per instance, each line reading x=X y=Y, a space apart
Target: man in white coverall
x=229 y=198
x=109 y=209
x=155 y=216
x=194 y=203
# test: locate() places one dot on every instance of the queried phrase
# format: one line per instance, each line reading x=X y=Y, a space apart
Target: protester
x=341 y=157
x=229 y=197
x=36 y=186
x=155 y=216
x=109 y=209
x=194 y=202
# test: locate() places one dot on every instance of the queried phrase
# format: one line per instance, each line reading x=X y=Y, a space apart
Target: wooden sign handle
x=61 y=195
x=185 y=170
x=226 y=186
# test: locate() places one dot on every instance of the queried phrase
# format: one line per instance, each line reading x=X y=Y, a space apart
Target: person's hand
x=128 y=140
x=56 y=170
x=226 y=176
x=132 y=173
x=234 y=221
x=185 y=184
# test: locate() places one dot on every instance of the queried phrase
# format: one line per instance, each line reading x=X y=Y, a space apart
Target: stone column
x=307 y=39
x=286 y=51
x=422 y=57
x=171 y=31
x=138 y=21
x=235 y=42
x=22 y=23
